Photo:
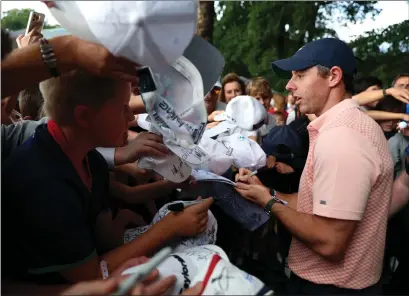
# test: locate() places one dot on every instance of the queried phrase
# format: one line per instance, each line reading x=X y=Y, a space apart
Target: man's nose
x=290 y=85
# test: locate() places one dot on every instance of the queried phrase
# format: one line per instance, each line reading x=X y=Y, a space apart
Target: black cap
x=328 y=52
x=282 y=140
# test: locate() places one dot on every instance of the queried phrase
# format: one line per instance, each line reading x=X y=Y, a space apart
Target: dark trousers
x=299 y=286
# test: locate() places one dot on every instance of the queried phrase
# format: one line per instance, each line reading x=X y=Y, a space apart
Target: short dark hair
x=390 y=104
x=361 y=84
x=6 y=44
x=399 y=76
x=348 y=80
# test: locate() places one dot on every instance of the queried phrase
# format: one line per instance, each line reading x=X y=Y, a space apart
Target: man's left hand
x=257 y=194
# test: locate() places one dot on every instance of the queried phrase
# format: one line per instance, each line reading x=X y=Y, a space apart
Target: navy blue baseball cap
x=328 y=52
x=282 y=140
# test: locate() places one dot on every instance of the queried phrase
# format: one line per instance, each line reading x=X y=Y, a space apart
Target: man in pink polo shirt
x=339 y=219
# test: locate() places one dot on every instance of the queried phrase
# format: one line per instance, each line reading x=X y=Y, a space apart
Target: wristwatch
x=274 y=199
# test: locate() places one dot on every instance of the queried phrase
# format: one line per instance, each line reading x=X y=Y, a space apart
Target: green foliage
x=16 y=19
x=252 y=34
x=384 y=53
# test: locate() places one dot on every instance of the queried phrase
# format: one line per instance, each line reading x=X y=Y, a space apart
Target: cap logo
x=171 y=114
x=241 y=138
x=185 y=272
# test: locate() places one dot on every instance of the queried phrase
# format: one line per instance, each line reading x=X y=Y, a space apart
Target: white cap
x=170 y=167
x=177 y=109
x=245 y=112
x=152 y=33
x=224 y=278
x=206 y=237
x=195 y=264
x=234 y=150
x=220 y=157
x=186 y=265
x=223 y=127
x=246 y=152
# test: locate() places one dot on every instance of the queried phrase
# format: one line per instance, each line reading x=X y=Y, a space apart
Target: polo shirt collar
x=320 y=121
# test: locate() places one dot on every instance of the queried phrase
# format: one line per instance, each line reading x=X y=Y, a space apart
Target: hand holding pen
x=248 y=177
x=189 y=220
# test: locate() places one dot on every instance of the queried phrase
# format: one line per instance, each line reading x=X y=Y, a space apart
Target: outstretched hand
x=145 y=144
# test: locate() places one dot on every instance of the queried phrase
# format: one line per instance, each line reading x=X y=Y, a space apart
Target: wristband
x=49 y=57
x=104 y=269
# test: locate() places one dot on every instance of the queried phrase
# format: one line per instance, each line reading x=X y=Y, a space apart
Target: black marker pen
x=176 y=207
x=180 y=206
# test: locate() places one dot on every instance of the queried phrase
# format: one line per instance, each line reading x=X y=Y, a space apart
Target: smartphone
x=35 y=21
x=146 y=81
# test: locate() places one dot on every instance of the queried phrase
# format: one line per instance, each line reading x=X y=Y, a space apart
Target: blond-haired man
x=58 y=184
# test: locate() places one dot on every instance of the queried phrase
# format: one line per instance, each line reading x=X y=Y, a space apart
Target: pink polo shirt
x=348 y=175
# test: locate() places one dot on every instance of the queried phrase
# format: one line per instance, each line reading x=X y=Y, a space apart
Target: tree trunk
x=205 y=20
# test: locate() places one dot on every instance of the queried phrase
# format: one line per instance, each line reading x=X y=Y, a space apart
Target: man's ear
x=83 y=116
x=335 y=76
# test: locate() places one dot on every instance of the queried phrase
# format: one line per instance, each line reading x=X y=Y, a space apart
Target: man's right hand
x=192 y=220
x=244 y=177
x=399 y=94
x=145 y=144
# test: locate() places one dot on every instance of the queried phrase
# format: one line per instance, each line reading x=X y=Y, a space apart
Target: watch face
x=267 y=208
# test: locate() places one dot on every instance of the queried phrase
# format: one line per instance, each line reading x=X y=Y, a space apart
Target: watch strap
x=269 y=205
x=274 y=199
